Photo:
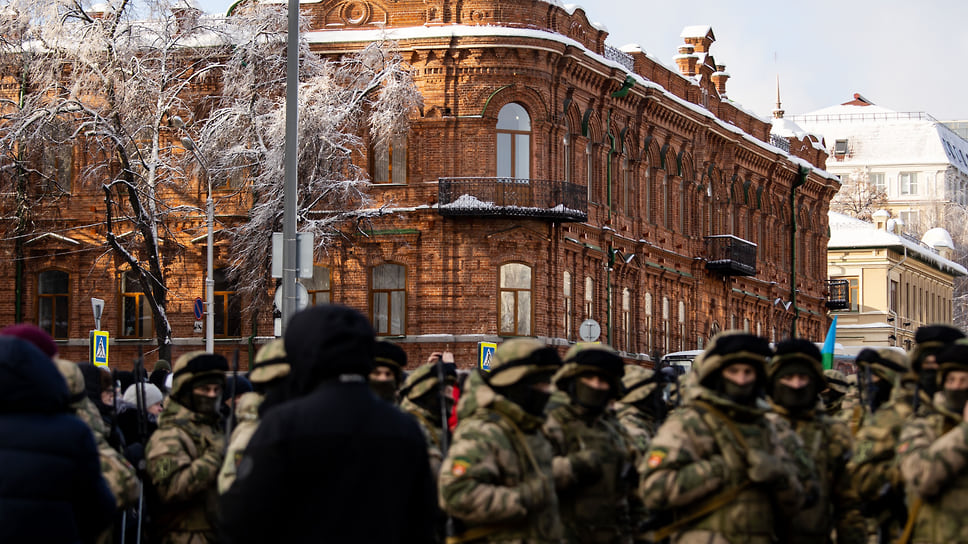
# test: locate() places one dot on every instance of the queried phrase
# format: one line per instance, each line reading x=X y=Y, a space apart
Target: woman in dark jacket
x=51 y=489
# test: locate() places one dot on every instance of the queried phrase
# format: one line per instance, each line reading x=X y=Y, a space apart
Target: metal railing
x=617 y=55
x=838 y=294
x=880 y=116
x=510 y=197
x=730 y=255
x=780 y=142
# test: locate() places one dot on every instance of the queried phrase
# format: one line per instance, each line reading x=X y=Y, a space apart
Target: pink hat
x=33 y=334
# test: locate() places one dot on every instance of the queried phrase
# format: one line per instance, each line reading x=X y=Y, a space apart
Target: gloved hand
x=533 y=493
x=764 y=468
x=214 y=445
x=586 y=465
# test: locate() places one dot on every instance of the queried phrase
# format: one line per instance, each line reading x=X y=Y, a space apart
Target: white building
x=917 y=160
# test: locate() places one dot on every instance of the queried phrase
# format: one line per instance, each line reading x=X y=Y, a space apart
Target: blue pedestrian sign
x=485 y=352
x=99 y=348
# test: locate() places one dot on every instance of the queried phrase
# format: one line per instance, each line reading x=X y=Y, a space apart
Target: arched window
x=515 y=296
x=513 y=142
x=666 y=326
x=53 y=306
x=567 y=143
x=318 y=286
x=627 y=319
x=136 y=319
x=228 y=306
x=589 y=297
x=648 y=322
x=389 y=300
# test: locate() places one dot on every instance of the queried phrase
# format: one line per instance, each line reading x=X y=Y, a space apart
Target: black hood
x=92 y=382
x=323 y=342
x=29 y=381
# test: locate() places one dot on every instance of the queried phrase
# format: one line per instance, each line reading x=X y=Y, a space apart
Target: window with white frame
x=569 y=304
x=908 y=182
x=515 y=295
x=513 y=142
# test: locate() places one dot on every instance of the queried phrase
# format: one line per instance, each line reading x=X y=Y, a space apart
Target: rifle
x=229 y=421
x=142 y=433
x=444 y=429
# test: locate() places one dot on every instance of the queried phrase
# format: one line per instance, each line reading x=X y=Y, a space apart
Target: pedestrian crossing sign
x=485 y=351
x=99 y=348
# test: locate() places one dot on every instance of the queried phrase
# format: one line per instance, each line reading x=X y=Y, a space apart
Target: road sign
x=198 y=326
x=485 y=351
x=99 y=348
x=98 y=306
x=589 y=330
x=302 y=297
x=304 y=254
x=198 y=308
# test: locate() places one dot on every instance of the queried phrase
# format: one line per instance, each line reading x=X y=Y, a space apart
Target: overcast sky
x=905 y=55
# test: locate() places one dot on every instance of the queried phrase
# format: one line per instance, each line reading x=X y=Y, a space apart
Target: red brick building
x=549 y=179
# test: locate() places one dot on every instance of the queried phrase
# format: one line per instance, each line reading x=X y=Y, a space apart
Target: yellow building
x=885 y=285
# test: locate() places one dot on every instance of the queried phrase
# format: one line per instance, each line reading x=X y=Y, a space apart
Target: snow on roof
x=877 y=135
x=695 y=31
x=453 y=31
x=848 y=232
x=786 y=128
x=938 y=237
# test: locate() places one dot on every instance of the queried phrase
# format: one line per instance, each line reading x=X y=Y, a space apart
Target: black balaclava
x=593 y=400
x=799 y=399
x=430 y=401
x=879 y=392
x=655 y=404
x=203 y=404
x=524 y=394
x=928 y=380
x=385 y=389
x=955 y=399
x=740 y=394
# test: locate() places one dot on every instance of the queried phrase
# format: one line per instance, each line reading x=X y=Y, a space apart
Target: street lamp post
x=189 y=144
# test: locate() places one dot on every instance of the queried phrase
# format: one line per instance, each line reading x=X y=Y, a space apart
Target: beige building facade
x=890 y=283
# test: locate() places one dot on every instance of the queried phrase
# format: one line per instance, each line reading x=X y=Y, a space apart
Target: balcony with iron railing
x=510 y=197
x=838 y=295
x=730 y=256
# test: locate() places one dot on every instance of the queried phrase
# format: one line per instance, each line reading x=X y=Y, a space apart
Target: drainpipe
x=800 y=180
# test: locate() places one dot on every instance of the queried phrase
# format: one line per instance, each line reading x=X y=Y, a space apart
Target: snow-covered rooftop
x=695 y=31
x=877 y=135
x=848 y=232
x=786 y=128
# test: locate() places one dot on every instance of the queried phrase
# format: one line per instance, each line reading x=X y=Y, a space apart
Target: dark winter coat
x=51 y=489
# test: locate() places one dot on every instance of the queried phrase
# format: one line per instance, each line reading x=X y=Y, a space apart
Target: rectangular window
x=853 y=292
x=840 y=148
x=589 y=296
x=911 y=218
x=390 y=160
x=228 y=307
x=566 y=291
x=318 y=286
x=908 y=182
x=388 y=294
x=53 y=309
x=877 y=180
x=892 y=297
x=136 y=319
x=515 y=297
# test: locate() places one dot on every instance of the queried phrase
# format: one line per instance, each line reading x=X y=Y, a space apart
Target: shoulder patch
x=655 y=458
x=164 y=467
x=903 y=448
x=459 y=467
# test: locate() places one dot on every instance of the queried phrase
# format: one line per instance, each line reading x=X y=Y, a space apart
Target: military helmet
x=729 y=347
x=194 y=366
x=591 y=357
x=639 y=382
x=392 y=356
x=793 y=355
x=73 y=376
x=425 y=378
x=952 y=357
x=518 y=357
x=887 y=363
x=836 y=380
x=851 y=380
x=270 y=362
x=929 y=340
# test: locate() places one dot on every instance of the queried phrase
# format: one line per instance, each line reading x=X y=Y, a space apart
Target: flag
x=828 y=345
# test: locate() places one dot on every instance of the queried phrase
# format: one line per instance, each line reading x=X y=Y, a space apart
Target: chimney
x=719 y=78
x=686 y=60
x=880 y=219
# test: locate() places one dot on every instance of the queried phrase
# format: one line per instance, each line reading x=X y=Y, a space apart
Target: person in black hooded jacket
x=51 y=488
x=332 y=454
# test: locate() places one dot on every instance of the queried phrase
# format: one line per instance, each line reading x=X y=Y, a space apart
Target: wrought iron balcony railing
x=730 y=256
x=510 y=197
x=838 y=294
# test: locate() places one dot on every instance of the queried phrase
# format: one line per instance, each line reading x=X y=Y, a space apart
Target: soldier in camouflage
x=642 y=407
x=923 y=378
x=833 y=395
x=385 y=379
x=496 y=480
x=933 y=456
x=718 y=471
x=186 y=452
x=593 y=467
x=422 y=397
x=795 y=375
x=268 y=370
x=873 y=470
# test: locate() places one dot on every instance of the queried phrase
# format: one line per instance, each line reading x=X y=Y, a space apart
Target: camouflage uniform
x=269 y=365
x=837 y=382
x=419 y=384
x=873 y=470
x=184 y=456
x=117 y=471
x=593 y=467
x=697 y=461
x=828 y=443
x=497 y=477
x=933 y=456
x=638 y=383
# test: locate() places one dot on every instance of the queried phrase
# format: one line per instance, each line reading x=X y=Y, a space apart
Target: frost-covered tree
x=343 y=101
x=105 y=80
x=858 y=197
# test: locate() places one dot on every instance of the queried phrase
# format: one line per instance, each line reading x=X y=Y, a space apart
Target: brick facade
x=672 y=162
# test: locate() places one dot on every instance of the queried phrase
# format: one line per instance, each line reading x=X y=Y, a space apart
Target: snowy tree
x=858 y=197
x=105 y=81
x=342 y=99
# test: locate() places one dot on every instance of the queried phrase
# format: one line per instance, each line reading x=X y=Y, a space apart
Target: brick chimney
x=719 y=78
x=686 y=60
